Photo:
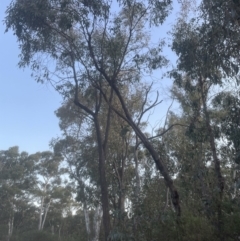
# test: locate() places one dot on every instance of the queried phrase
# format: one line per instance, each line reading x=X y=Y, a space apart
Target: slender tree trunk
x=137 y=190
x=12 y=221
x=10 y=225
x=59 y=232
x=234 y=194
x=138 y=187
x=220 y=180
x=122 y=201
x=97 y=222
x=206 y=197
x=93 y=232
x=121 y=205
x=45 y=214
x=166 y=204
x=40 y=214
x=103 y=181
x=87 y=221
x=9 y=229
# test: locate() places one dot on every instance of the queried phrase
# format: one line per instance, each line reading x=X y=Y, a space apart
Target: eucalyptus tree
x=190 y=149
x=47 y=186
x=93 y=47
x=207 y=57
x=86 y=115
x=16 y=176
x=81 y=156
x=227 y=105
x=78 y=147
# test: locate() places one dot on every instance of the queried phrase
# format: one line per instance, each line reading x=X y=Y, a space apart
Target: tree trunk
x=234 y=194
x=101 y=151
x=59 y=232
x=93 y=232
x=103 y=181
x=87 y=221
x=10 y=226
x=97 y=222
x=40 y=214
x=45 y=214
x=137 y=190
x=220 y=180
x=121 y=203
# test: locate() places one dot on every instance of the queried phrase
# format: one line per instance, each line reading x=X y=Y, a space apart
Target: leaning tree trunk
x=157 y=159
x=45 y=214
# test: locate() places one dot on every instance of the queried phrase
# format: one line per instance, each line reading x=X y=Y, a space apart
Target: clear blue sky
x=27 y=108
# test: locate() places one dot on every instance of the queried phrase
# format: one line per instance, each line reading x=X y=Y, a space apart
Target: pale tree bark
x=168 y=202
x=97 y=222
x=59 y=232
x=94 y=231
x=234 y=194
x=40 y=214
x=138 y=184
x=87 y=221
x=41 y=211
x=10 y=225
x=122 y=190
x=121 y=178
x=45 y=214
x=136 y=168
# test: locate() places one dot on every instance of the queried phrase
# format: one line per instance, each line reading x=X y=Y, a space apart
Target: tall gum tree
x=85 y=139
x=86 y=38
x=78 y=147
x=207 y=47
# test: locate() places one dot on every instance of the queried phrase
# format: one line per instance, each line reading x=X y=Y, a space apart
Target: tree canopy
x=108 y=177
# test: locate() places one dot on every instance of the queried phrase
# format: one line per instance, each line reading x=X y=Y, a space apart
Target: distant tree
x=48 y=187
x=15 y=183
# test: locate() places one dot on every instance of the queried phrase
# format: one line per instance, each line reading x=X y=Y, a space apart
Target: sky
x=27 y=108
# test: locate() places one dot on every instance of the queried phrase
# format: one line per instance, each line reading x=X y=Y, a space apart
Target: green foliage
x=96 y=55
